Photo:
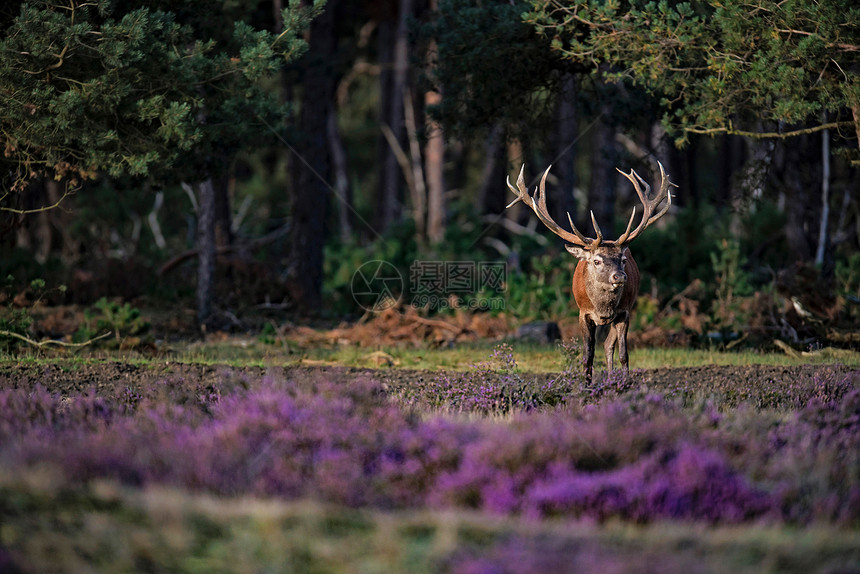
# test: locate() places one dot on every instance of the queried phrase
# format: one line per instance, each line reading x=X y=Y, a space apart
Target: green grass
x=656 y=358
x=249 y=351
x=547 y=358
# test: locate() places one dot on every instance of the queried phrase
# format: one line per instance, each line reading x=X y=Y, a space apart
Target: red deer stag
x=606 y=279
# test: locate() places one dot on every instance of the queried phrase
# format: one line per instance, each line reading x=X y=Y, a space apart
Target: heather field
x=180 y=467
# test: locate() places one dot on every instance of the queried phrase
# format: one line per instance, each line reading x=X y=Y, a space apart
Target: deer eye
x=597 y=262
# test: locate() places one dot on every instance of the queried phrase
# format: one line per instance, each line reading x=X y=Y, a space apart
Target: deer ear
x=577 y=251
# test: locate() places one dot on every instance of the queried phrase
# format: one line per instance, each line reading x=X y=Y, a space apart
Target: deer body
x=606 y=279
x=605 y=294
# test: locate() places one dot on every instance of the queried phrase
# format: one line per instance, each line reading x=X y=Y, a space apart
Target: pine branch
x=37 y=210
x=767 y=135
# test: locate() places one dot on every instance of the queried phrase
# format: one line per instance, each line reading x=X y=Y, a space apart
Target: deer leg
x=587 y=327
x=621 y=333
x=609 y=347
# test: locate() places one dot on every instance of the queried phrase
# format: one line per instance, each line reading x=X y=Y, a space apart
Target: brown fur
x=613 y=309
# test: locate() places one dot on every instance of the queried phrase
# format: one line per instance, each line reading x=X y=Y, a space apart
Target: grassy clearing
x=656 y=358
x=531 y=357
x=242 y=351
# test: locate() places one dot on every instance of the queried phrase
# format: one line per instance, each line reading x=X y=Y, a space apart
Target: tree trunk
x=676 y=164
x=434 y=158
x=797 y=168
x=731 y=158
x=206 y=201
x=416 y=183
x=343 y=191
x=434 y=168
x=684 y=166
x=310 y=191
x=749 y=183
x=660 y=147
x=224 y=186
x=823 y=237
x=566 y=136
x=604 y=178
x=388 y=199
x=387 y=207
x=516 y=213
x=492 y=193
x=44 y=226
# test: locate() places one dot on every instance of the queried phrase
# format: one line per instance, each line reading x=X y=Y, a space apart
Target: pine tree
x=765 y=68
x=165 y=90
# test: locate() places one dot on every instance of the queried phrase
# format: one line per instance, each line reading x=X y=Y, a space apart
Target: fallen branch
x=437 y=323
x=224 y=249
x=43 y=344
x=825 y=353
x=190 y=254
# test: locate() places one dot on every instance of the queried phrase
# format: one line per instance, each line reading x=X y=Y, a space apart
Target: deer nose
x=619 y=277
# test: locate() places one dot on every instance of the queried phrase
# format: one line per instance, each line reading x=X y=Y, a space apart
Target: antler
x=649 y=205
x=538 y=205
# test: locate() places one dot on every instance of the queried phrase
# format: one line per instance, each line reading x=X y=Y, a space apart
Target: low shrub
x=635 y=455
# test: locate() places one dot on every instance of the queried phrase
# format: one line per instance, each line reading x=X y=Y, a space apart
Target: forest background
x=243 y=157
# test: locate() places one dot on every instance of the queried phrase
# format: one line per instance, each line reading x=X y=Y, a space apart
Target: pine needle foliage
x=765 y=68
x=135 y=88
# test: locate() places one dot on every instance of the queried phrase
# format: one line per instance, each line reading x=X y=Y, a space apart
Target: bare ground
x=111 y=379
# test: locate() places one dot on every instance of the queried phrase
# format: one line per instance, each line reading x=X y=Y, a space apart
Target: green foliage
x=540 y=290
x=108 y=315
x=764 y=226
x=398 y=248
x=848 y=275
x=687 y=248
x=674 y=254
x=16 y=320
x=92 y=87
x=645 y=312
x=731 y=282
x=269 y=334
x=490 y=66
x=719 y=67
x=543 y=290
x=848 y=283
x=81 y=112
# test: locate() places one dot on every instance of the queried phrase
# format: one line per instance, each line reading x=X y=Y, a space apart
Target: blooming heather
x=634 y=455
